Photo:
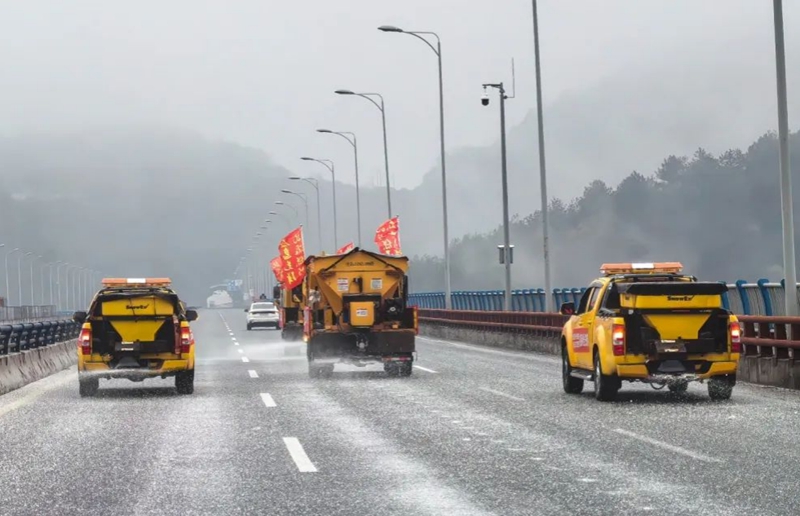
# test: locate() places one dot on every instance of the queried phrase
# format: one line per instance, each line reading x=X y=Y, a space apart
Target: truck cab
x=647 y=322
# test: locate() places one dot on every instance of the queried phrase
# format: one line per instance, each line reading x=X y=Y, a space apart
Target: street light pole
x=542 y=170
x=438 y=51
x=315 y=184
x=504 y=179
x=58 y=284
x=787 y=217
x=33 y=297
x=302 y=198
x=354 y=143
x=333 y=184
x=382 y=109
x=19 y=274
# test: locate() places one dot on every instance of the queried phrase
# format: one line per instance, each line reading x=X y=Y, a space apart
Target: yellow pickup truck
x=135 y=328
x=647 y=322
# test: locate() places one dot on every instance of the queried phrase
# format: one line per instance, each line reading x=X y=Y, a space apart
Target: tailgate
x=137 y=318
x=674 y=318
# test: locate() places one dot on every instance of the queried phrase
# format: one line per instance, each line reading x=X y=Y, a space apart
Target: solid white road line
x=267 y=399
x=252 y=373
x=666 y=446
x=424 y=369
x=500 y=393
x=299 y=456
x=245 y=359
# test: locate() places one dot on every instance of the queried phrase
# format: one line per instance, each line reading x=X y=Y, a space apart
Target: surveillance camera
x=485 y=98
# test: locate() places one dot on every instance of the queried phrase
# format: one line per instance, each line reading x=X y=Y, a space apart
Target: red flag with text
x=277 y=269
x=292 y=254
x=387 y=237
x=347 y=248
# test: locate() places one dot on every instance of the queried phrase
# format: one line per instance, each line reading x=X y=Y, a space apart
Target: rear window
x=261 y=307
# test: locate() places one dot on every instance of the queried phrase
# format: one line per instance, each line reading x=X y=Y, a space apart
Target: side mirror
x=246 y=309
x=191 y=315
x=568 y=308
x=79 y=317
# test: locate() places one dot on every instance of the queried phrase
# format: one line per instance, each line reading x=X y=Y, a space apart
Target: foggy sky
x=262 y=73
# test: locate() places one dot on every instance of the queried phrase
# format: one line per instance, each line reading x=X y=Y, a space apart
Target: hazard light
x=641 y=268
x=139 y=282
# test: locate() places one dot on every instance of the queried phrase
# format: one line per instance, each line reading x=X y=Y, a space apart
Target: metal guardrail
x=763 y=336
x=534 y=323
x=22 y=336
x=760 y=298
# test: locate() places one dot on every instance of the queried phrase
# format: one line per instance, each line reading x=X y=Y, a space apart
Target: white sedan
x=263 y=313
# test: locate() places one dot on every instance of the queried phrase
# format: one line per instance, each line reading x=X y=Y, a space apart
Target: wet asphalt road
x=473 y=431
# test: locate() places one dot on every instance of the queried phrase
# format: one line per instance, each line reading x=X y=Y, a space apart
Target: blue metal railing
x=760 y=298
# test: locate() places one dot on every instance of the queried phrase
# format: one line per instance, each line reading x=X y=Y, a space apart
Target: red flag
x=292 y=254
x=387 y=237
x=347 y=248
x=277 y=269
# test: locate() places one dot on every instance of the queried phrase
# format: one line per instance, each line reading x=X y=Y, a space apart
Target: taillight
x=85 y=341
x=736 y=337
x=416 y=320
x=186 y=340
x=618 y=339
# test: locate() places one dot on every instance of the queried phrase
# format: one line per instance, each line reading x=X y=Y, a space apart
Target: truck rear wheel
x=184 y=382
x=572 y=385
x=605 y=386
x=88 y=386
x=720 y=388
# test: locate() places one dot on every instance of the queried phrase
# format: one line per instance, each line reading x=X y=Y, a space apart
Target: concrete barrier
x=19 y=369
x=776 y=372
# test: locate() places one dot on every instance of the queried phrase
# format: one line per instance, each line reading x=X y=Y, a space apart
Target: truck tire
x=88 y=386
x=184 y=382
x=605 y=386
x=404 y=369
x=249 y=327
x=720 y=388
x=571 y=384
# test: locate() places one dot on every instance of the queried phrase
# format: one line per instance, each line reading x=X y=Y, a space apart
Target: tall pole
x=58 y=284
x=787 y=217
x=8 y=285
x=354 y=143
x=542 y=169
x=386 y=161
x=382 y=108
x=447 y=300
x=358 y=190
x=33 y=298
x=504 y=181
x=41 y=282
x=52 y=298
x=19 y=276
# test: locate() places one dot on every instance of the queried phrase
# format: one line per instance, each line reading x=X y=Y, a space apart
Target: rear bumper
x=263 y=322
x=167 y=368
x=640 y=372
x=334 y=345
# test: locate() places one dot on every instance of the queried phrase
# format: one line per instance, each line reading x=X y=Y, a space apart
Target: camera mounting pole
x=504 y=179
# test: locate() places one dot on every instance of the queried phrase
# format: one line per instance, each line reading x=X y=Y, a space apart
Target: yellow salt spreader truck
x=135 y=328
x=647 y=322
x=357 y=313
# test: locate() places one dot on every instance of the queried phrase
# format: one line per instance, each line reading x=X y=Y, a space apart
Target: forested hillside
x=719 y=215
